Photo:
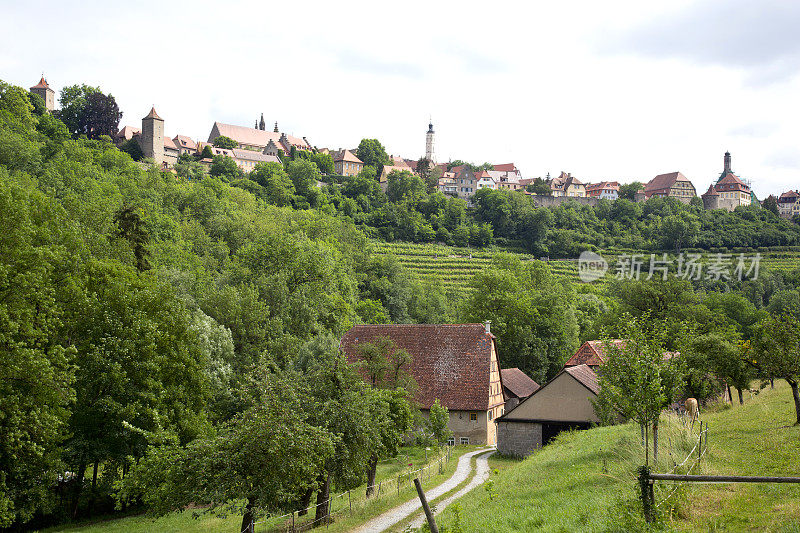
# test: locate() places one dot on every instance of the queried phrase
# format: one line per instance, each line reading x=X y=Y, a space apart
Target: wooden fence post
x=350 y=502
x=425 y=507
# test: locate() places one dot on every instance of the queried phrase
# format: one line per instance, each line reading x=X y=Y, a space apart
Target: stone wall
x=550 y=201
x=518 y=439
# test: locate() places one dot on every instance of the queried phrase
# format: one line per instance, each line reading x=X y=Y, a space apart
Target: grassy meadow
x=585 y=481
x=192 y=521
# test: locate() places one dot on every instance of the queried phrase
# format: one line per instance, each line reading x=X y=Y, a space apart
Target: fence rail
x=723 y=479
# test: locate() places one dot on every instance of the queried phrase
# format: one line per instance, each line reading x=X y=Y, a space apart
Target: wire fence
x=701 y=447
x=294 y=521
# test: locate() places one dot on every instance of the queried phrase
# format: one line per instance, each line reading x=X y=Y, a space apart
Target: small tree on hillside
x=225 y=142
x=776 y=352
x=437 y=422
x=638 y=380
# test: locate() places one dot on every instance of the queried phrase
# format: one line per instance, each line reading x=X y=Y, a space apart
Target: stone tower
x=47 y=94
x=152 y=137
x=262 y=125
x=727 y=163
x=429 y=153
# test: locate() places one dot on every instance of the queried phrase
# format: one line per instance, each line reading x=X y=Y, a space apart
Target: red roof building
x=592 y=353
x=729 y=192
x=517 y=384
x=671 y=185
x=454 y=363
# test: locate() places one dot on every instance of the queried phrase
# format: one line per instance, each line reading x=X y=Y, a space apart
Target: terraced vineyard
x=453 y=267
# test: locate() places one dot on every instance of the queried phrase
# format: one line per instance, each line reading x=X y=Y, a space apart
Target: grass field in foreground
x=410 y=458
x=564 y=487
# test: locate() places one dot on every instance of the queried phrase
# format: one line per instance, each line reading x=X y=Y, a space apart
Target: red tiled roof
x=518 y=382
x=41 y=85
x=711 y=191
x=731 y=182
x=450 y=362
x=663 y=181
x=592 y=353
x=168 y=143
x=613 y=185
x=789 y=197
x=585 y=376
x=185 y=142
x=505 y=167
x=345 y=155
x=128 y=132
x=256 y=137
x=153 y=114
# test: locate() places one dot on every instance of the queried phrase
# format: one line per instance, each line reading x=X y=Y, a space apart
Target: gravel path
x=481 y=475
x=393 y=516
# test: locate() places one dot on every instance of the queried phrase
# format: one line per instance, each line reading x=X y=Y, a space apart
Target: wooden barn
x=565 y=402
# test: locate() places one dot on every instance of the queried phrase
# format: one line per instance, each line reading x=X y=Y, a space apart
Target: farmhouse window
x=464 y=440
x=473 y=417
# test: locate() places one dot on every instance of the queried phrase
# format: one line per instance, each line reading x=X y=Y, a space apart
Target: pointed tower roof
x=42 y=84
x=430 y=127
x=276 y=127
x=153 y=114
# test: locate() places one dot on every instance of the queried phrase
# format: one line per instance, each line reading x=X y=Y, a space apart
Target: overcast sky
x=617 y=90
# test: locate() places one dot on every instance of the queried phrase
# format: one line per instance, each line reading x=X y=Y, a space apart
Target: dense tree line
x=144 y=313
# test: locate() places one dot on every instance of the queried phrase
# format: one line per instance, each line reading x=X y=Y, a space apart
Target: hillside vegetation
x=586 y=480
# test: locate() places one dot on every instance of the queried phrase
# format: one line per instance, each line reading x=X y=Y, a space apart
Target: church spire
x=276 y=127
x=261 y=125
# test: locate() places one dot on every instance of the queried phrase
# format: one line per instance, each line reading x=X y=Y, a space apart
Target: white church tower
x=429 y=154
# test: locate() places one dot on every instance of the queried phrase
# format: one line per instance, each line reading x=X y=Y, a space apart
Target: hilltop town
x=248 y=147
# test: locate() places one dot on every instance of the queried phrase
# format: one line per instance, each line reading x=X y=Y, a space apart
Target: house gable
x=565 y=398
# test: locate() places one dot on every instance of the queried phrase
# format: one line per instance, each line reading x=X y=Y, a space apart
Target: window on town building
x=473 y=417
x=490 y=415
x=451 y=441
x=464 y=440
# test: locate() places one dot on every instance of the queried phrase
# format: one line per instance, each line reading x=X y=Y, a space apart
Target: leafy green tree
x=132 y=229
x=278 y=187
x=784 y=302
x=532 y=314
x=88 y=111
x=324 y=162
x=225 y=142
x=637 y=379
x=680 y=231
x=39 y=107
x=207 y=152
x=133 y=149
x=628 y=191
x=230 y=466
x=776 y=352
x=36 y=371
x=305 y=175
x=539 y=186
x=372 y=153
x=771 y=204
x=224 y=167
x=405 y=186
x=438 y=417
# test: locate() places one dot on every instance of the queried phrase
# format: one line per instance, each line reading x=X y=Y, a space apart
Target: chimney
x=727 y=162
x=488 y=325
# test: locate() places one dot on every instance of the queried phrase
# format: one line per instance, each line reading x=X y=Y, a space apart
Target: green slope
x=585 y=481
